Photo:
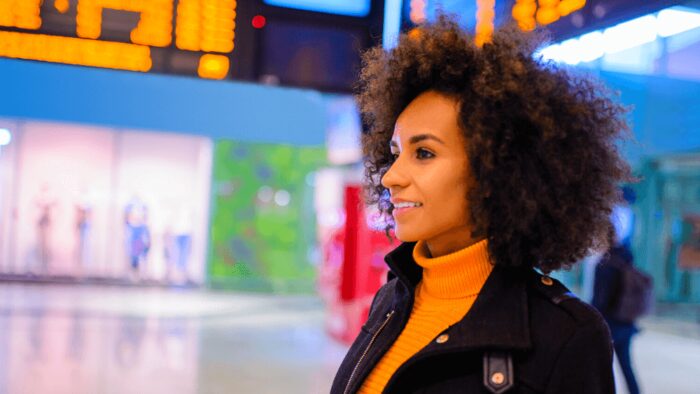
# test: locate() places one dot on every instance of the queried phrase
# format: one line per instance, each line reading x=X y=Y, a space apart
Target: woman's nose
x=393 y=177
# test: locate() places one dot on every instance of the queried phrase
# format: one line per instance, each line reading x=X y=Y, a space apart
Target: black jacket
x=525 y=333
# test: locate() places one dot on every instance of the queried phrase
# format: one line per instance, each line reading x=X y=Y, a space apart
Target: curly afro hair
x=541 y=141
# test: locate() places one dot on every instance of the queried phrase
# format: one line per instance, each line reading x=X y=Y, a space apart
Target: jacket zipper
x=371 y=342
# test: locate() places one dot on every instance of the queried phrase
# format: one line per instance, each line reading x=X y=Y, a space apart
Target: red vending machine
x=353 y=267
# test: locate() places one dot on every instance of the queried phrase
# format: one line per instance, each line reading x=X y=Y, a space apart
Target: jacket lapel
x=497 y=320
x=402 y=265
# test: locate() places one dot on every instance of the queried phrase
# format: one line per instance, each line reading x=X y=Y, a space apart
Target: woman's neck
x=450 y=242
x=456 y=275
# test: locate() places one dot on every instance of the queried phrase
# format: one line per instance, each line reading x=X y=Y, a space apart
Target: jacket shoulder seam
x=563 y=299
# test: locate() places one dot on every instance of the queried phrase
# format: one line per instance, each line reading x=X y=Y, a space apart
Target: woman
x=489 y=164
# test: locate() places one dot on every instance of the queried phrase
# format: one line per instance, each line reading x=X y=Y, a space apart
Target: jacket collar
x=499 y=317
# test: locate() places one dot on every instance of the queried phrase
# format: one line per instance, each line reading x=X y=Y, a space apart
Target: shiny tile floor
x=61 y=339
x=57 y=339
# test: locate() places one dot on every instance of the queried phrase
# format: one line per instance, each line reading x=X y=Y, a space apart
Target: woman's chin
x=406 y=236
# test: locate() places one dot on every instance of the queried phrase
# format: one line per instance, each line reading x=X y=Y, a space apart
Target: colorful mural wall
x=263 y=232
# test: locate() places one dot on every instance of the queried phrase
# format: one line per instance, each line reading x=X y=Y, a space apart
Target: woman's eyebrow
x=421 y=137
x=418 y=138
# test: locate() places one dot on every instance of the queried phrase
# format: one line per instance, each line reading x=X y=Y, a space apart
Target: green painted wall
x=262 y=238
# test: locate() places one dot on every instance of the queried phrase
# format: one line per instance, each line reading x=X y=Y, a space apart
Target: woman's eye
x=424 y=154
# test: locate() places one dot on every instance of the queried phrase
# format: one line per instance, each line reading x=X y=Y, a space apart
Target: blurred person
x=177 y=242
x=138 y=236
x=46 y=204
x=83 y=227
x=489 y=165
x=621 y=293
x=682 y=251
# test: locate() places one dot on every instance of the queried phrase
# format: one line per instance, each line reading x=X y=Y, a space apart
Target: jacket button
x=547 y=281
x=498 y=378
x=442 y=338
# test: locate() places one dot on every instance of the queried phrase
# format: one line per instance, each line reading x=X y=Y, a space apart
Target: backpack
x=636 y=296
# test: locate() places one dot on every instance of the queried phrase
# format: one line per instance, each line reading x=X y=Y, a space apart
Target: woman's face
x=429 y=178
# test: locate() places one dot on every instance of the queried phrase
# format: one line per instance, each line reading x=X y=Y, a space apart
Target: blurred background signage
x=183 y=37
x=306 y=43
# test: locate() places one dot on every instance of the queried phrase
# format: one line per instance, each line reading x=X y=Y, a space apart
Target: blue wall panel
x=218 y=109
x=665 y=115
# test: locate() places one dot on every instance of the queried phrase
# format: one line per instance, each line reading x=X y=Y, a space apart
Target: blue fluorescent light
x=550 y=52
x=676 y=20
x=592 y=46
x=392 y=23
x=630 y=34
x=623 y=36
x=359 y=8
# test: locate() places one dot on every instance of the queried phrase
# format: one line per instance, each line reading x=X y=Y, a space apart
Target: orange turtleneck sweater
x=447 y=291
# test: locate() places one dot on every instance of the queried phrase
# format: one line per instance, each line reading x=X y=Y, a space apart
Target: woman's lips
x=400 y=211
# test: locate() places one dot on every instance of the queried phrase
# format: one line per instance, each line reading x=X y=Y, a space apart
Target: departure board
x=190 y=37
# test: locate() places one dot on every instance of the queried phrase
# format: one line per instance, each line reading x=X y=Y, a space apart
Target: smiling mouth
x=400 y=205
x=405 y=207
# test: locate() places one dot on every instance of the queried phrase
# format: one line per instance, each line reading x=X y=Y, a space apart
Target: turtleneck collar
x=455 y=275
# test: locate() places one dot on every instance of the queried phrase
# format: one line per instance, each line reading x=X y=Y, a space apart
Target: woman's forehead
x=430 y=113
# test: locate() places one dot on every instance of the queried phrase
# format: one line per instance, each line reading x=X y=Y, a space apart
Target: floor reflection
x=58 y=339
x=62 y=339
